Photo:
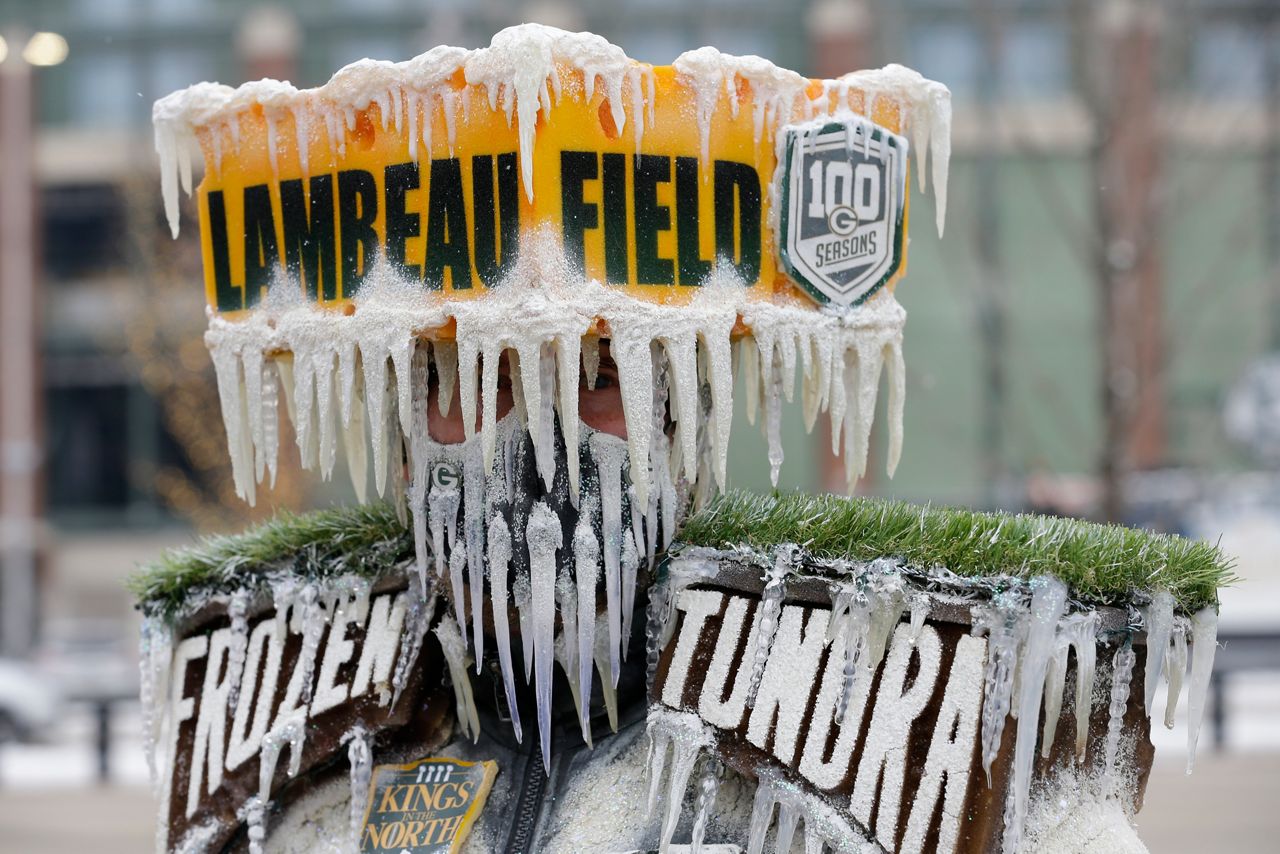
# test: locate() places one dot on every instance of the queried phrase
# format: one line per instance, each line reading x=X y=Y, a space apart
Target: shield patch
x=843 y=186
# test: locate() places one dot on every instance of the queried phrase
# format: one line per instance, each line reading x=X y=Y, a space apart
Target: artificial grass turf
x=1099 y=563
x=364 y=540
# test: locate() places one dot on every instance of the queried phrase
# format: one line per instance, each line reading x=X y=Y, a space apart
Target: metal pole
x=20 y=451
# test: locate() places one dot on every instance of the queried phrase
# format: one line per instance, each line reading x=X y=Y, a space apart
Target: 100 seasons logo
x=425 y=807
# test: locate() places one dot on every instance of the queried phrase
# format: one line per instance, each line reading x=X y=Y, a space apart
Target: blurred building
x=1007 y=336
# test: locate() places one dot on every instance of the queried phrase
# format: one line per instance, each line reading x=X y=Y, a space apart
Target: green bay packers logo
x=840 y=230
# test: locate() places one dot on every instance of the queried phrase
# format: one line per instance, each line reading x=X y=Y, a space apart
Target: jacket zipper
x=529 y=805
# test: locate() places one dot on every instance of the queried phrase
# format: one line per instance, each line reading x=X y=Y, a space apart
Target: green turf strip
x=364 y=540
x=1100 y=563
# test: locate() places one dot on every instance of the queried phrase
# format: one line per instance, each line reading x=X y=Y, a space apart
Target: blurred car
x=28 y=702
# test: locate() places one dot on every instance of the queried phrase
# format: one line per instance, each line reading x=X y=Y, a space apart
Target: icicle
x=544 y=538
x=457 y=563
x=567 y=358
x=634 y=359
x=850 y=618
x=499 y=563
x=1204 y=644
x=1121 y=676
x=770 y=609
x=660 y=602
x=1004 y=621
x=270 y=421
x=609 y=456
x=1048 y=599
x=253 y=814
x=787 y=820
x=687 y=736
x=446 y=356
x=773 y=424
x=358 y=756
x=355 y=441
x=523 y=596
x=602 y=667
x=1079 y=631
x=238 y=646
x=919 y=611
x=443 y=513
x=716 y=344
x=455 y=655
x=1054 y=682
x=1175 y=669
x=761 y=818
x=591 y=359
x=473 y=510
x=708 y=786
x=154 y=666
x=567 y=599
x=312 y=618
x=748 y=359
x=420 y=605
x=293 y=733
x=1158 y=617
x=630 y=570
x=682 y=359
x=897 y=371
x=659 y=746
x=586 y=569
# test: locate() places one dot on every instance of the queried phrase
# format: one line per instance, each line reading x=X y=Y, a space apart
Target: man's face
x=599 y=407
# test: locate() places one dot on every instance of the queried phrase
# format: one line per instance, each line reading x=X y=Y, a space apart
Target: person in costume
x=517 y=286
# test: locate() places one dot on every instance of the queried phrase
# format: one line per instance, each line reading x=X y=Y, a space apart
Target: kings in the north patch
x=841 y=224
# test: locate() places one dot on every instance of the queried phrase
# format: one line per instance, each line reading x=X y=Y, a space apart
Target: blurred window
x=103 y=88
x=82 y=231
x=657 y=47
x=105 y=11
x=1035 y=62
x=1229 y=60
x=740 y=42
x=345 y=51
x=950 y=52
x=177 y=68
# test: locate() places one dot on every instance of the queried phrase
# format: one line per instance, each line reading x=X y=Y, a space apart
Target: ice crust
x=522 y=73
